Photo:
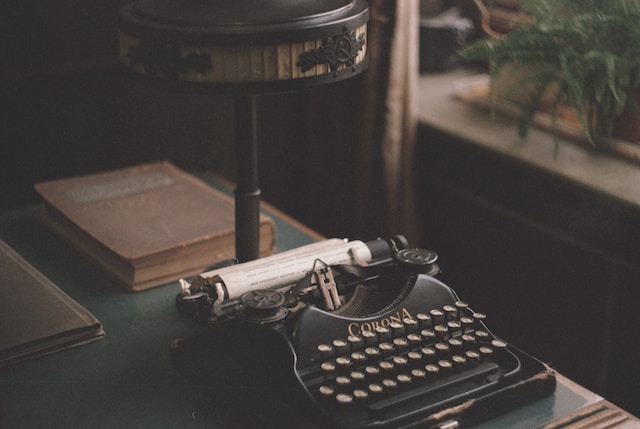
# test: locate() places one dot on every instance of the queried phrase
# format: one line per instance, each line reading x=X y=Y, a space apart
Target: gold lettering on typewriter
x=356 y=328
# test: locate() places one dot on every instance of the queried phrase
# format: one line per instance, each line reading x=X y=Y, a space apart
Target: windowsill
x=598 y=171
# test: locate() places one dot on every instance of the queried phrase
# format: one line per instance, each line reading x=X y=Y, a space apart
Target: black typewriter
x=380 y=343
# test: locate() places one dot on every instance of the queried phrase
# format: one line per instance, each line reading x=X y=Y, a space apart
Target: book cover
x=147 y=225
x=36 y=317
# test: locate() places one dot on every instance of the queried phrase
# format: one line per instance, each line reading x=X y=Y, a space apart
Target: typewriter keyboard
x=408 y=364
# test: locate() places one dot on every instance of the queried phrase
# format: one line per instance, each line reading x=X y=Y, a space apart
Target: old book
x=147 y=225
x=36 y=317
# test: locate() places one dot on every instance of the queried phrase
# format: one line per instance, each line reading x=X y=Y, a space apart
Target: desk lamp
x=244 y=48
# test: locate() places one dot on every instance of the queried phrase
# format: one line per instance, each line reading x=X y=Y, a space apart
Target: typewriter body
x=374 y=341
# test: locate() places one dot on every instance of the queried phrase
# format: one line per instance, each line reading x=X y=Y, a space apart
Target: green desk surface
x=127 y=379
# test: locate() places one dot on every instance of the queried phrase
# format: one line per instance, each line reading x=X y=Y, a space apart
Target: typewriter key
x=328 y=367
x=401 y=343
x=372 y=371
x=428 y=334
x=386 y=366
x=411 y=325
x=418 y=373
x=372 y=352
x=414 y=338
x=375 y=389
x=387 y=349
x=369 y=337
x=389 y=383
x=326 y=351
x=431 y=369
x=485 y=351
x=445 y=365
x=343 y=380
x=499 y=344
x=424 y=320
x=404 y=380
x=396 y=329
x=400 y=361
x=360 y=394
x=437 y=316
x=428 y=351
x=344 y=398
x=459 y=361
x=343 y=362
x=414 y=357
x=383 y=332
x=355 y=342
x=326 y=391
x=358 y=357
x=472 y=355
x=340 y=345
x=357 y=376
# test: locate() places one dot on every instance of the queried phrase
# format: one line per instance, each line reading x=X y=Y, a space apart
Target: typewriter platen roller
x=401 y=350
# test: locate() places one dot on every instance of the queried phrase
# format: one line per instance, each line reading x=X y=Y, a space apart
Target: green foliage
x=589 y=49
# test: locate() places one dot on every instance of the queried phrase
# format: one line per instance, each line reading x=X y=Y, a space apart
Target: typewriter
x=354 y=335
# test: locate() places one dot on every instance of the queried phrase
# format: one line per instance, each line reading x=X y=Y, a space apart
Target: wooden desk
x=127 y=379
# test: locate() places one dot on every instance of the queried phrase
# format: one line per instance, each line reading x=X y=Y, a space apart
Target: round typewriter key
x=428 y=334
x=376 y=389
x=441 y=330
x=355 y=341
x=386 y=348
x=479 y=316
x=437 y=316
x=467 y=322
x=450 y=312
x=358 y=357
x=472 y=355
x=411 y=324
x=372 y=352
x=340 y=345
x=343 y=361
x=403 y=379
x=383 y=333
x=454 y=325
x=401 y=343
x=357 y=376
x=482 y=335
x=344 y=398
x=369 y=337
x=360 y=394
x=386 y=366
x=343 y=381
x=442 y=348
x=414 y=357
x=485 y=351
x=396 y=329
x=389 y=383
x=400 y=360
x=455 y=343
x=468 y=339
x=499 y=344
x=326 y=391
x=418 y=373
x=414 y=338
x=432 y=369
x=424 y=320
x=461 y=304
x=325 y=350
x=459 y=361
x=445 y=365
x=328 y=367
x=428 y=351
x=372 y=371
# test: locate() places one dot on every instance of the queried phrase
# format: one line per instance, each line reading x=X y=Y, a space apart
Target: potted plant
x=585 y=53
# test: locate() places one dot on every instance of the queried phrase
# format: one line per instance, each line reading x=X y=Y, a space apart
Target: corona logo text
x=355 y=328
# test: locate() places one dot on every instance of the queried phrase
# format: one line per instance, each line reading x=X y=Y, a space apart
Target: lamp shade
x=251 y=46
